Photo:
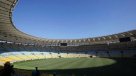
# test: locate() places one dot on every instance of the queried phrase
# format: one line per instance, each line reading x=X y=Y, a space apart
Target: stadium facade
x=18 y=46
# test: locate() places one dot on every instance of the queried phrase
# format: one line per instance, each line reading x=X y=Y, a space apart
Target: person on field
x=36 y=72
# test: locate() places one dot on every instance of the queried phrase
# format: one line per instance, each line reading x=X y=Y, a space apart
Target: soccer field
x=63 y=63
x=80 y=66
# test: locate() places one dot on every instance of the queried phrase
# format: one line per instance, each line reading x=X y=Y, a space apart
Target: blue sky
x=71 y=19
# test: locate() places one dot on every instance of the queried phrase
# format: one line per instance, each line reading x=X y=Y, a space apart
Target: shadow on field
x=122 y=67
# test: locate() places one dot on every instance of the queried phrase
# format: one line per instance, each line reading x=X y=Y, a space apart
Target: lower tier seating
x=26 y=55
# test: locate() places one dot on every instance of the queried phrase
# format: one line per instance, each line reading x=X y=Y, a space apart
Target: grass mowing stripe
x=64 y=64
x=74 y=64
x=53 y=64
x=84 y=63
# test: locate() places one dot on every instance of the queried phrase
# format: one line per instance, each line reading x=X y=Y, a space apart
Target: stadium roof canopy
x=8 y=31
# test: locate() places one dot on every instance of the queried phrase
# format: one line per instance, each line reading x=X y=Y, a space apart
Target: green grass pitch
x=63 y=63
x=80 y=66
